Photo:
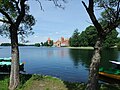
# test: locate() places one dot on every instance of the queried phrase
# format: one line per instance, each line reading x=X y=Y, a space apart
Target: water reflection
x=83 y=57
x=108 y=55
x=80 y=56
x=60 y=52
x=60 y=62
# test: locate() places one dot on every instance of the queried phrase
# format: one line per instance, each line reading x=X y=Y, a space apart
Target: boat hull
x=7 y=68
x=110 y=78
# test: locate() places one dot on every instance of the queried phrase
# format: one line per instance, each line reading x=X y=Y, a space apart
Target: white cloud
x=35 y=36
x=56 y=32
x=0 y=23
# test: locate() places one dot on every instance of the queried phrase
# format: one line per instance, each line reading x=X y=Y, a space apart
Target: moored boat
x=112 y=73
x=5 y=59
x=5 y=65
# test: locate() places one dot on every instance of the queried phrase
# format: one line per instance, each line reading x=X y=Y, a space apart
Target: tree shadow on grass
x=3 y=76
x=24 y=78
x=74 y=86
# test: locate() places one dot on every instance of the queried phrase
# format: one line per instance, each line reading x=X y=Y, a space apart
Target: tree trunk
x=14 y=74
x=94 y=67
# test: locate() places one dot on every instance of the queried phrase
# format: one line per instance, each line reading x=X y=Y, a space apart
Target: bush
x=118 y=46
x=37 y=44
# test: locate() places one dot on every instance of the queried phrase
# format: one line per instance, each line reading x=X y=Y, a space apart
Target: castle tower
x=62 y=39
x=48 y=41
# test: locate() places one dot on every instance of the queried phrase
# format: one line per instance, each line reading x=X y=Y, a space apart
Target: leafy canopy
x=89 y=37
x=74 y=40
x=10 y=11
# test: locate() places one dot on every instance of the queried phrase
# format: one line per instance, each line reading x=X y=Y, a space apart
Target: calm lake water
x=67 y=64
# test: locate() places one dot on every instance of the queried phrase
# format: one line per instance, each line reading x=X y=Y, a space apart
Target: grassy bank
x=39 y=82
x=91 y=48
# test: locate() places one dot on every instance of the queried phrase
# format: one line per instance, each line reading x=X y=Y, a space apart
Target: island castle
x=60 y=42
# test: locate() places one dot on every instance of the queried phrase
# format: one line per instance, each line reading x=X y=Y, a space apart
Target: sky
x=55 y=22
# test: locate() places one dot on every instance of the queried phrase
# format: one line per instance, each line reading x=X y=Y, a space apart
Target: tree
x=89 y=37
x=48 y=43
x=118 y=41
x=5 y=44
x=42 y=44
x=51 y=43
x=112 y=20
x=74 y=40
x=37 y=44
x=16 y=20
x=111 y=39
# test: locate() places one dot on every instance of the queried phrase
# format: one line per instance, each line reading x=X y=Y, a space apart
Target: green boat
x=5 y=65
x=112 y=73
x=5 y=59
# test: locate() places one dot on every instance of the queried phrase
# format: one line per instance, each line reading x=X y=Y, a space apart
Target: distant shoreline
x=91 y=48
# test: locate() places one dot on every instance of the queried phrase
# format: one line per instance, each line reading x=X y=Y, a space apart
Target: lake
x=65 y=63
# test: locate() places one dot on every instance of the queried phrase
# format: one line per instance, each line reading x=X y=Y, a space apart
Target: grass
x=4 y=82
x=90 y=48
x=40 y=82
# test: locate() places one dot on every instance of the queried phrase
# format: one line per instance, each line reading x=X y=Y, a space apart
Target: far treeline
x=88 y=38
x=50 y=43
x=47 y=43
x=9 y=44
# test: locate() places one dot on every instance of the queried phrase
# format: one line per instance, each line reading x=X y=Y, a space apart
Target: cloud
x=1 y=23
x=50 y=34
x=35 y=36
x=57 y=33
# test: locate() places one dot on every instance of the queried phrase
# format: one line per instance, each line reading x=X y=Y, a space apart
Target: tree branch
x=4 y=21
x=58 y=4
x=17 y=5
x=90 y=11
x=84 y=5
x=109 y=14
x=91 y=5
x=115 y=22
x=112 y=26
x=118 y=10
x=22 y=12
x=40 y=4
x=7 y=16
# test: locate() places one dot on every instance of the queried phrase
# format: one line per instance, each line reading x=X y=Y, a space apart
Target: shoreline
x=46 y=82
x=89 y=48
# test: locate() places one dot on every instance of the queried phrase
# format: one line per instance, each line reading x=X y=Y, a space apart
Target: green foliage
x=42 y=44
x=118 y=46
x=75 y=86
x=13 y=10
x=118 y=40
x=20 y=44
x=111 y=39
x=109 y=87
x=5 y=44
x=4 y=82
x=89 y=36
x=37 y=44
x=9 y=44
x=74 y=40
x=106 y=4
x=110 y=12
x=37 y=82
x=50 y=43
x=45 y=43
